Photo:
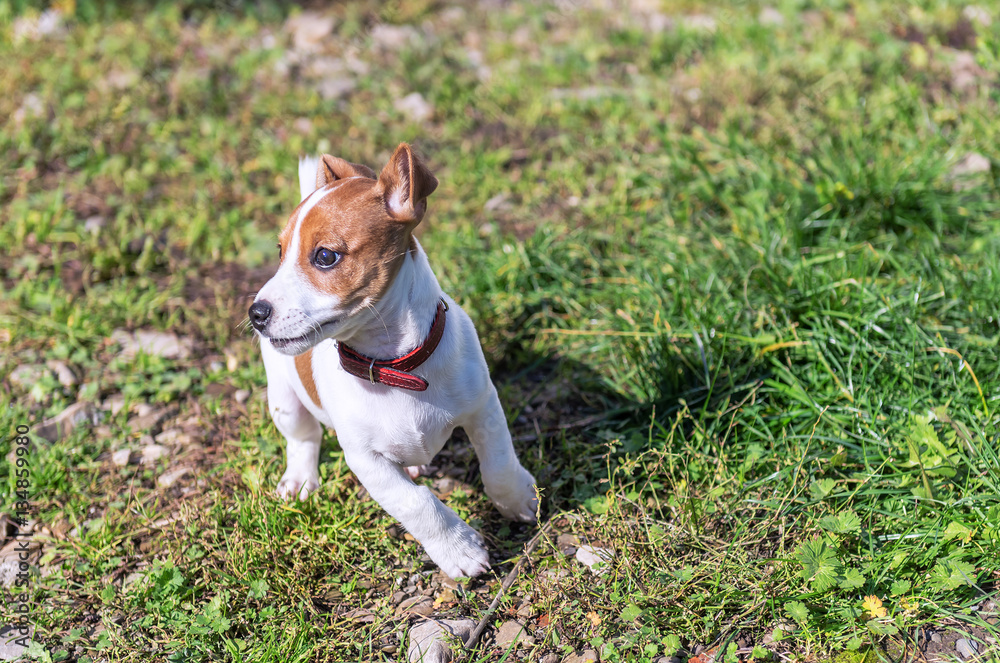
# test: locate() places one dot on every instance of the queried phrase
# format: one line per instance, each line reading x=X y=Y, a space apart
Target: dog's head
x=341 y=248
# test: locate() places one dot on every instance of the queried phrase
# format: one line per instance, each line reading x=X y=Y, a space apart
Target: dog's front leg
x=509 y=485
x=303 y=434
x=451 y=543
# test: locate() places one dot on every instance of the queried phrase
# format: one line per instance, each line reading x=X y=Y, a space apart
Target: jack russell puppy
x=357 y=335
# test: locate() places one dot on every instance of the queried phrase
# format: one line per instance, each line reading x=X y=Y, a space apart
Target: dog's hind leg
x=509 y=485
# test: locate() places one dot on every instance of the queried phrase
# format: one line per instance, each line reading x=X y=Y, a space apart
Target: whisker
x=392 y=258
x=380 y=319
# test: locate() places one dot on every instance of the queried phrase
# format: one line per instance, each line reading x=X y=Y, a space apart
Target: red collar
x=395 y=372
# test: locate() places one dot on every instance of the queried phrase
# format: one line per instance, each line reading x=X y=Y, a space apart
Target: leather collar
x=395 y=372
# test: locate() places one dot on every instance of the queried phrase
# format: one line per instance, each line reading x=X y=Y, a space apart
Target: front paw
x=294 y=485
x=459 y=552
x=516 y=499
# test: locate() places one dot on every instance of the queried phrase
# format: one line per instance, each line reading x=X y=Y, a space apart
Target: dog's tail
x=307 y=175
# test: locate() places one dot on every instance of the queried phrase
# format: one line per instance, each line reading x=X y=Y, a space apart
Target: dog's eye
x=279 y=252
x=325 y=258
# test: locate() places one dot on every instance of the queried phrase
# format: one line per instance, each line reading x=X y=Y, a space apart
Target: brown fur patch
x=303 y=365
x=351 y=220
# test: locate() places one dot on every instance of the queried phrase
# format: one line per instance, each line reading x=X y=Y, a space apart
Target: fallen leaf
x=873 y=605
x=594 y=619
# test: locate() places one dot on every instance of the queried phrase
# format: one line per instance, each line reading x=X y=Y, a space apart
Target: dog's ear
x=333 y=168
x=406 y=183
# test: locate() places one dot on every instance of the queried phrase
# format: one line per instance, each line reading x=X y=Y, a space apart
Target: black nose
x=259 y=314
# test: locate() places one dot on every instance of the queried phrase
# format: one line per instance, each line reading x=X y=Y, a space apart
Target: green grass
x=742 y=318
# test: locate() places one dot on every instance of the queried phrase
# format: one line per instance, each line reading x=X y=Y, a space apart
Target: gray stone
x=63 y=373
x=153 y=453
x=133 y=579
x=336 y=88
x=10 y=561
x=512 y=632
x=361 y=615
x=417 y=605
x=977 y=14
x=394 y=37
x=121 y=457
x=174 y=437
x=442 y=579
x=567 y=543
x=27 y=375
x=414 y=107
x=160 y=344
x=47 y=24
x=63 y=423
x=444 y=486
x=149 y=419
x=14 y=642
x=93 y=224
x=114 y=404
x=966 y=74
x=431 y=641
x=242 y=396
x=170 y=477
x=596 y=559
x=966 y=648
x=582 y=657
x=324 y=67
x=309 y=29
x=501 y=202
x=549 y=658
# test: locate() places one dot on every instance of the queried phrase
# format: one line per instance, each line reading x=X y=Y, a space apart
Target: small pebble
x=430 y=640
x=512 y=632
x=567 y=543
x=152 y=453
x=417 y=605
x=966 y=648
x=591 y=556
x=582 y=657
x=169 y=478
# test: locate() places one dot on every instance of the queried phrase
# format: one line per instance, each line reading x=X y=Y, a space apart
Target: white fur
x=298 y=308
x=384 y=430
x=307 y=175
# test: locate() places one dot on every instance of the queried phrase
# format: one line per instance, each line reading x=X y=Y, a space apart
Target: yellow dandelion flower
x=873 y=605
